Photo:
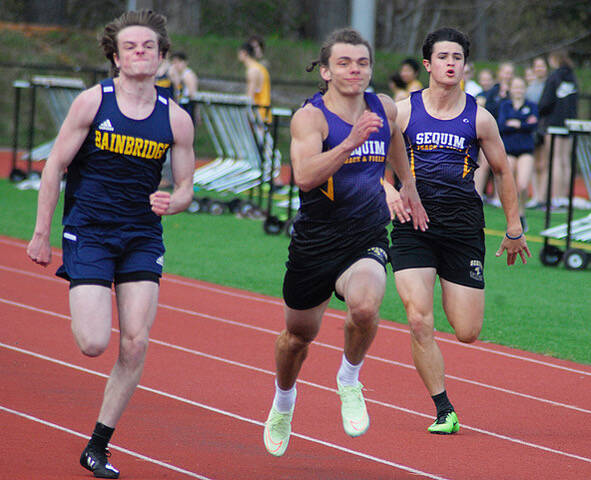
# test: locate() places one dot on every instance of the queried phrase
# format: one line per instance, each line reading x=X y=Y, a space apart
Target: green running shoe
x=353 y=410
x=277 y=431
x=446 y=424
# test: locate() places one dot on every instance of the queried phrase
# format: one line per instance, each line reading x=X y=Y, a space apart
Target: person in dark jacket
x=557 y=103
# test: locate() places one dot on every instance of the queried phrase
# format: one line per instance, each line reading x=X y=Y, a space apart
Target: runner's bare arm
x=69 y=140
x=406 y=203
x=311 y=166
x=494 y=150
x=183 y=165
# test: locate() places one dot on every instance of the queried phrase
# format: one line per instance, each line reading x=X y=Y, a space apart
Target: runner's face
x=138 y=53
x=349 y=68
x=447 y=63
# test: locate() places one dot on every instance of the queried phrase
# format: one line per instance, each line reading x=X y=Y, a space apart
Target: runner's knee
x=364 y=312
x=420 y=324
x=90 y=345
x=468 y=333
x=294 y=342
x=133 y=350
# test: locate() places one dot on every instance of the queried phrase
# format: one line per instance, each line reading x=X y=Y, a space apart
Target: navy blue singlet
x=354 y=196
x=119 y=165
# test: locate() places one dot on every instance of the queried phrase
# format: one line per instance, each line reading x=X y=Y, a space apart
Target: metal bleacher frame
x=58 y=93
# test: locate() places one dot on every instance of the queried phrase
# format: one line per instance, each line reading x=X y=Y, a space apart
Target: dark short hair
x=445 y=34
x=412 y=63
x=179 y=55
x=142 y=18
x=396 y=79
x=254 y=38
x=248 y=48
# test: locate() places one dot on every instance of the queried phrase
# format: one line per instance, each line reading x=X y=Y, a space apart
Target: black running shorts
x=316 y=263
x=457 y=257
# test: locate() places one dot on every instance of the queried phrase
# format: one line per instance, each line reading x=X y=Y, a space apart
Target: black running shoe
x=95 y=460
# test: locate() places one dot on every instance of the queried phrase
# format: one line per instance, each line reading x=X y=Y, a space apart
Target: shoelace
x=443 y=418
x=100 y=455
x=351 y=396
x=280 y=423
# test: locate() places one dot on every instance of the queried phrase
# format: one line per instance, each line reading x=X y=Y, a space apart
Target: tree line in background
x=499 y=29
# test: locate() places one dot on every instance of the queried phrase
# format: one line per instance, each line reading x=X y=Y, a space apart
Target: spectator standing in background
x=397 y=87
x=557 y=103
x=494 y=97
x=486 y=82
x=185 y=83
x=482 y=174
x=258 y=81
x=409 y=72
x=163 y=77
x=500 y=90
x=533 y=93
x=258 y=44
x=518 y=120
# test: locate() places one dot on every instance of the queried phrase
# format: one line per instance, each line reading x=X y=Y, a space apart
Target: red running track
x=208 y=384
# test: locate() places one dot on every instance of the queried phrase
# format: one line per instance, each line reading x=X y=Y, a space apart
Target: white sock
x=348 y=375
x=284 y=399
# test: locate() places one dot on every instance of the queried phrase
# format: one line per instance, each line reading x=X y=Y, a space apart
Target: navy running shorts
x=101 y=255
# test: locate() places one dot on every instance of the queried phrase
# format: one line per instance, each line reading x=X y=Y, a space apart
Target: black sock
x=101 y=436
x=442 y=403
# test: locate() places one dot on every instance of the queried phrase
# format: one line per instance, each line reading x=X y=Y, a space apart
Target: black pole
x=17 y=108
x=273 y=158
x=571 y=190
x=291 y=189
x=549 y=188
x=31 y=129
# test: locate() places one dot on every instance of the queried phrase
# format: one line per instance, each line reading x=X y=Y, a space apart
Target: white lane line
x=111 y=446
x=221 y=412
x=328 y=346
x=315 y=385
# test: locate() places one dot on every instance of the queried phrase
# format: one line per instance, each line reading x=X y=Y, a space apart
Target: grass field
x=532 y=307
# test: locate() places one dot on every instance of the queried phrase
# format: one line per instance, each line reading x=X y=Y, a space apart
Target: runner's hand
x=39 y=250
x=413 y=206
x=159 y=202
x=366 y=124
x=514 y=248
